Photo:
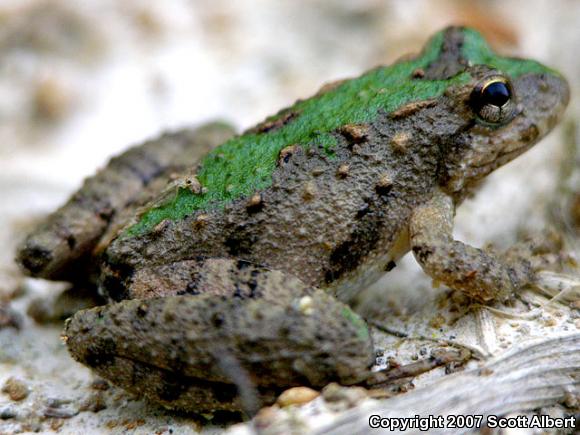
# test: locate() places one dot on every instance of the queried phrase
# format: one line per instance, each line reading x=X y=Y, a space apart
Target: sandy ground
x=80 y=81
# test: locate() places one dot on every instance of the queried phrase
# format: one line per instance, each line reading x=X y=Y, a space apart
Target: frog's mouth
x=543 y=99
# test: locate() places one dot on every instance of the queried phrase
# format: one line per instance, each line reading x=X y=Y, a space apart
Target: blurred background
x=82 y=80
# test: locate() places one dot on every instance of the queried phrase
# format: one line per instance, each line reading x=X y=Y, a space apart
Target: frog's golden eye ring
x=493 y=100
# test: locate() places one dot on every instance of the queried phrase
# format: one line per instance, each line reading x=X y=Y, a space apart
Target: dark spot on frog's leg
x=190 y=289
x=329 y=276
x=390 y=266
x=100 y=353
x=226 y=393
x=141 y=311
x=172 y=387
x=422 y=252
x=35 y=258
x=237 y=292
x=71 y=241
x=243 y=264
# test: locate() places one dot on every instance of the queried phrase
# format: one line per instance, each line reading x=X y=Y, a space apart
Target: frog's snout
x=565 y=91
x=544 y=98
x=560 y=88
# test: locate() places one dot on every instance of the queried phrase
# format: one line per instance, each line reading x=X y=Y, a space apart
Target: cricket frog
x=229 y=259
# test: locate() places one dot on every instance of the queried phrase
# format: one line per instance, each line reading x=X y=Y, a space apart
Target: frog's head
x=505 y=105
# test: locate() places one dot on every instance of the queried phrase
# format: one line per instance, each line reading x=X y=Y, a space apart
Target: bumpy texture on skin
x=480 y=274
x=277 y=338
x=246 y=163
x=333 y=191
x=55 y=249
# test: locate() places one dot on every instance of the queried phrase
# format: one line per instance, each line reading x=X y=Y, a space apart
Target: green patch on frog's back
x=245 y=164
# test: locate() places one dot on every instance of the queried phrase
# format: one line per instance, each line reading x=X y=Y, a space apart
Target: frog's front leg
x=482 y=275
x=204 y=352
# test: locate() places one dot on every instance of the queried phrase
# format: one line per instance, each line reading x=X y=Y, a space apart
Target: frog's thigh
x=218 y=276
x=476 y=272
x=196 y=352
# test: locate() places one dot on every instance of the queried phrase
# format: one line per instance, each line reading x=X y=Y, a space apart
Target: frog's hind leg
x=60 y=246
x=202 y=352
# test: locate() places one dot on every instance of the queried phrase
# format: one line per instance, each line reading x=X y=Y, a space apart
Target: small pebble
x=339 y=398
x=305 y=305
x=296 y=396
x=16 y=389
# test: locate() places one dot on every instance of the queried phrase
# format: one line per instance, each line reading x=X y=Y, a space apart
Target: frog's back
x=324 y=189
x=312 y=189
x=246 y=163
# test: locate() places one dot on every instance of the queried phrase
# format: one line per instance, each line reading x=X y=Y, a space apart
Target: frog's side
x=225 y=278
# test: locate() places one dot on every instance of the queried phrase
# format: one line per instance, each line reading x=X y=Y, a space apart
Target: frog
x=229 y=260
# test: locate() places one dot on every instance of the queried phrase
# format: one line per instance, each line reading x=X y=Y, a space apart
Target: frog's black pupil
x=496 y=93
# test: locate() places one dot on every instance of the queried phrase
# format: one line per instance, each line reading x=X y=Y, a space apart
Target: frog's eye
x=493 y=100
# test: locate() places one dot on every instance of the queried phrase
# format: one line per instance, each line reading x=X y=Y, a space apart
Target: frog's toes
x=544 y=250
x=558 y=286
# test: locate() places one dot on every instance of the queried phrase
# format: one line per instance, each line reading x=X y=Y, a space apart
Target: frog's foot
x=556 y=273
x=556 y=287
x=59 y=247
x=543 y=250
x=217 y=352
x=554 y=269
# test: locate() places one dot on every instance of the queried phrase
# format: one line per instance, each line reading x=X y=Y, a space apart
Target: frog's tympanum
x=229 y=259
